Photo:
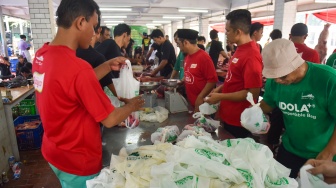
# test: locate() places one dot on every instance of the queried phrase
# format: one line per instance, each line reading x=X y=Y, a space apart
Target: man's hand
x=198 y=102
x=116 y=63
x=213 y=98
x=136 y=103
x=325 y=155
x=326 y=168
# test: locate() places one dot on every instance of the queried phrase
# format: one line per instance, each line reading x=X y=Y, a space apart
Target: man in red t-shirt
x=199 y=71
x=244 y=74
x=298 y=35
x=70 y=100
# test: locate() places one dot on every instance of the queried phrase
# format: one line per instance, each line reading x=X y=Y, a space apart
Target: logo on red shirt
x=189 y=78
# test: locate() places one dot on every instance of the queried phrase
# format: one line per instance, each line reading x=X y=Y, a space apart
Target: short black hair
x=256 y=26
x=23 y=36
x=69 y=10
x=28 y=65
x=24 y=69
x=299 y=29
x=6 y=58
x=213 y=34
x=276 y=34
x=104 y=28
x=120 y=29
x=99 y=20
x=175 y=34
x=156 y=33
x=240 y=19
x=199 y=38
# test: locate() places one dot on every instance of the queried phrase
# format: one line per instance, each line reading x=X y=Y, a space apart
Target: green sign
x=136 y=34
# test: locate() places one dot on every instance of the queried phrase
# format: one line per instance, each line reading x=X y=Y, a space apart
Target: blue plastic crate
x=13 y=62
x=28 y=139
x=13 y=69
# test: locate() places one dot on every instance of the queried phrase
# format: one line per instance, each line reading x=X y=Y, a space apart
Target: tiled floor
x=35 y=172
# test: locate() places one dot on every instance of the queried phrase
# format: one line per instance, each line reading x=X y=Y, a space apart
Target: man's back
x=307 y=53
x=72 y=85
x=168 y=53
x=94 y=58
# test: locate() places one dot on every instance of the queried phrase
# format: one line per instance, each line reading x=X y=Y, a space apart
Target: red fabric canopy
x=327 y=15
x=219 y=27
x=265 y=22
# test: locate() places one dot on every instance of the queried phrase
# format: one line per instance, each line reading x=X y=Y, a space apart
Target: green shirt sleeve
x=332 y=61
x=177 y=65
x=268 y=95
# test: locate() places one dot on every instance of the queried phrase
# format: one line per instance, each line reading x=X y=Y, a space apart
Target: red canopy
x=327 y=15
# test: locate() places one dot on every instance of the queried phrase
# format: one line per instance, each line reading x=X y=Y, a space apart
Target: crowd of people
x=298 y=94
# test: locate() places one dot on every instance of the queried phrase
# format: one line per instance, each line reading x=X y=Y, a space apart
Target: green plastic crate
x=27 y=110
x=27 y=102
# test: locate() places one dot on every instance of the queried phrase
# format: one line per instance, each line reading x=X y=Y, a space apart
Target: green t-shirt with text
x=179 y=65
x=309 y=110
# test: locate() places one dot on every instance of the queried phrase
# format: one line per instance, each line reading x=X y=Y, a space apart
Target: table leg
x=11 y=131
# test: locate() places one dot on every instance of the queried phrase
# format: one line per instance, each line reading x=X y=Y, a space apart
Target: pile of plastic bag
x=196 y=162
x=156 y=114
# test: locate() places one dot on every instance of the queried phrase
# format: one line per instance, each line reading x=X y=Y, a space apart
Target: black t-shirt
x=167 y=53
x=5 y=70
x=95 y=59
x=110 y=49
x=146 y=42
x=158 y=52
x=96 y=44
x=215 y=49
x=18 y=67
x=201 y=46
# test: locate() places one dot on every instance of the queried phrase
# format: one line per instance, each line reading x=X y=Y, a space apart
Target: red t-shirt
x=307 y=53
x=71 y=103
x=198 y=71
x=245 y=71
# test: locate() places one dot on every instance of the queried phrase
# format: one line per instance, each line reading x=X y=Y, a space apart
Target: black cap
x=299 y=29
x=144 y=34
x=156 y=33
x=187 y=34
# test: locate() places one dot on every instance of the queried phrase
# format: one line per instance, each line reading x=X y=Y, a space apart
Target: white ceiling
x=146 y=11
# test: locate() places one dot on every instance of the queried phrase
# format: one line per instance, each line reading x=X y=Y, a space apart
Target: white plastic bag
x=253 y=118
x=207 y=123
x=307 y=180
x=189 y=130
x=128 y=87
x=156 y=114
x=208 y=109
x=165 y=134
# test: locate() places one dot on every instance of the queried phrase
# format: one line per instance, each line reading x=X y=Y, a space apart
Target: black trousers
x=236 y=131
x=290 y=161
x=277 y=125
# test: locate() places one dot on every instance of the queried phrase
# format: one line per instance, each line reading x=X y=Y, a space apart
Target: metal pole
x=3 y=35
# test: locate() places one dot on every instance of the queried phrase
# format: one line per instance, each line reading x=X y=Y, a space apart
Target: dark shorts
x=290 y=161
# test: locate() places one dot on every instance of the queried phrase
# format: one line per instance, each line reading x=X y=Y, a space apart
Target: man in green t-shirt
x=179 y=64
x=308 y=104
x=332 y=61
